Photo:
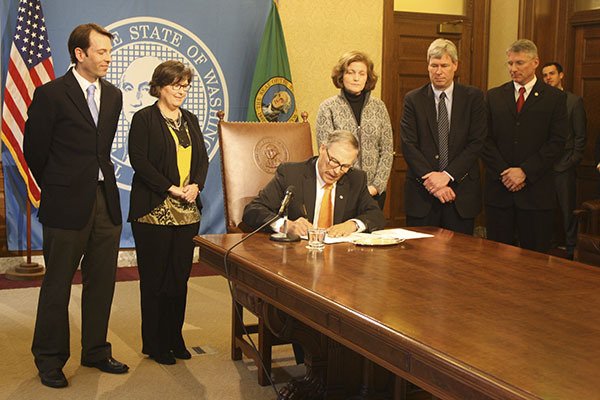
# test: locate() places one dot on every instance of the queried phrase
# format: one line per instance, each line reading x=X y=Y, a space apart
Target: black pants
x=566 y=192
x=531 y=229
x=444 y=216
x=164 y=256
x=98 y=244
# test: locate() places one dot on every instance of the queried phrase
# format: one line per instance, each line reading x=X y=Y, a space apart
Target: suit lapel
x=309 y=191
x=459 y=104
x=106 y=99
x=534 y=96
x=76 y=95
x=428 y=98
x=508 y=93
x=341 y=198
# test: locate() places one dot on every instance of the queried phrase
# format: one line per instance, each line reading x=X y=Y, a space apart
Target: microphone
x=289 y=194
x=284 y=236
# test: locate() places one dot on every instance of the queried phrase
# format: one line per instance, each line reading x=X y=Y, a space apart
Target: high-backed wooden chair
x=250 y=154
x=587 y=249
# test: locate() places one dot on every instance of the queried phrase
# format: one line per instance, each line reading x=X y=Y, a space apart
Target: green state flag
x=272 y=96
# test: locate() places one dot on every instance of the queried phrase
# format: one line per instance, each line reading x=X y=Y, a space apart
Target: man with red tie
x=526 y=135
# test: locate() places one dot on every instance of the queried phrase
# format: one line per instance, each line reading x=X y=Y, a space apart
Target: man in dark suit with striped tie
x=526 y=135
x=68 y=136
x=443 y=130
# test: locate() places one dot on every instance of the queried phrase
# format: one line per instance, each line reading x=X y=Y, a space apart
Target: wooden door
x=407 y=37
x=586 y=83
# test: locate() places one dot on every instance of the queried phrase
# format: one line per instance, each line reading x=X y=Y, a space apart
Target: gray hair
x=342 y=136
x=523 y=46
x=439 y=47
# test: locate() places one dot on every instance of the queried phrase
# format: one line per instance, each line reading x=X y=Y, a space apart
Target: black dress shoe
x=164 y=358
x=54 y=378
x=109 y=365
x=182 y=354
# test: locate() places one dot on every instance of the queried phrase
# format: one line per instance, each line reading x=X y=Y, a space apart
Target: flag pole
x=32 y=60
x=27 y=271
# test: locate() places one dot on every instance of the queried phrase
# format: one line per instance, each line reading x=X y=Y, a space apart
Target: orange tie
x=325 y=214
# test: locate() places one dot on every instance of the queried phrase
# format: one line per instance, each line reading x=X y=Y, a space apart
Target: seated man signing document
x=328 y=193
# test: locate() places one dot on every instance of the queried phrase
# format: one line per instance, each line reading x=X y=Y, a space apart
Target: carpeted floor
x=124 y=274
x=211 y=375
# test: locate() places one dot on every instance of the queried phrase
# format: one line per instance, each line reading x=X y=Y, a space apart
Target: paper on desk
x=399 y=233
x=396 y=233
x=342 y=239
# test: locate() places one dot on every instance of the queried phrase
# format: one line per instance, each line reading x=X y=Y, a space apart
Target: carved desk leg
x=283 y=326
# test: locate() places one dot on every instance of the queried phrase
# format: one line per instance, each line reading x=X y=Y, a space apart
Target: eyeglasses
x=336 y=164
x=177 y=87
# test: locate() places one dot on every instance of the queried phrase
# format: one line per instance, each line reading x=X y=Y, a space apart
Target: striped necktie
x=92 y=103
x=443 y=131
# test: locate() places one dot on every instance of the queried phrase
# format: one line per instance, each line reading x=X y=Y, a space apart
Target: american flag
x=29 y=66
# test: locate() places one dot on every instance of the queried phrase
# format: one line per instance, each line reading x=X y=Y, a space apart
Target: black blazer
x=64 y=150
x=532 y=140
x=468 y=129
x=576 y=134
x=352 y=197
x=153 y=156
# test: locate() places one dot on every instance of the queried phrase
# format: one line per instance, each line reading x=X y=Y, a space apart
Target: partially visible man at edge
x=565 y=169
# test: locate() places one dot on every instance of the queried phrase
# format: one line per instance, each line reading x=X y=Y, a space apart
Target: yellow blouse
x=174 y=211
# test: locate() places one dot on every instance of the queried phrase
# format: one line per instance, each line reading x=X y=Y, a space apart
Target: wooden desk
x=464 y=318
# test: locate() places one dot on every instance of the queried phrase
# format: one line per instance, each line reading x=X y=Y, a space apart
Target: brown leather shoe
x=109 y=365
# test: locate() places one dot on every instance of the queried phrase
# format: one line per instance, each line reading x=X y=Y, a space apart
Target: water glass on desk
x=316 y=238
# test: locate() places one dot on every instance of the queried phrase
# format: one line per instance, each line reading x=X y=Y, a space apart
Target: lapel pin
x=341 y=197
x=536 y=94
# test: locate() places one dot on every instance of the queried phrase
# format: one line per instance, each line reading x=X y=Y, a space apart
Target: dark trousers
x=566 y=192
x=532 y=228
x=444 y=216
x=98 y=244
x=164 y=256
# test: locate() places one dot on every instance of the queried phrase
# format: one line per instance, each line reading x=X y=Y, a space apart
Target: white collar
x=528 y=86
x=84 y=83
x=449 y=90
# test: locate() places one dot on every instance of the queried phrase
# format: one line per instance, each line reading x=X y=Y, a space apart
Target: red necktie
x=521 y=99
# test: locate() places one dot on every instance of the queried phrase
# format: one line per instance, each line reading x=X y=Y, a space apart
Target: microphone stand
x=284 y=236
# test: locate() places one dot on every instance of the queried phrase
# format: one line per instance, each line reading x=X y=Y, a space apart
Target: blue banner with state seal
x=218 y=39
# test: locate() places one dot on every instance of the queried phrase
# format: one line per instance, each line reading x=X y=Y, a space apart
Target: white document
x=400 y=233
x=396 y=233
x=342 y=239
